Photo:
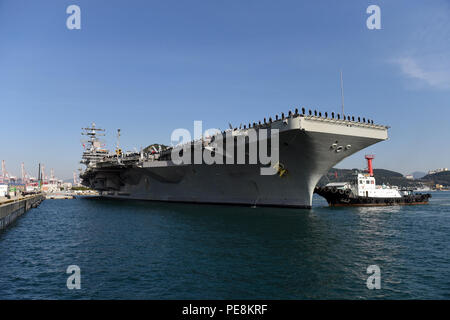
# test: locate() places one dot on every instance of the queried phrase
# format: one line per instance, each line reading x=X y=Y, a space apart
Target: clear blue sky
x=149 y=67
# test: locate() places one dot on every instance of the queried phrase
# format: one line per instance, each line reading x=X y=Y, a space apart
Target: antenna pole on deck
x=342 y=93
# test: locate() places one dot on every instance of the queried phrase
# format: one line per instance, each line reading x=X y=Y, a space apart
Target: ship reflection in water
x=150 y=250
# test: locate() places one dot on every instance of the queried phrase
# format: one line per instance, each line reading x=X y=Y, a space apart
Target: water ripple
x=144 y=250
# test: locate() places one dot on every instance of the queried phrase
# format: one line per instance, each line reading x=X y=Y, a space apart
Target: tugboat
x=363 y=191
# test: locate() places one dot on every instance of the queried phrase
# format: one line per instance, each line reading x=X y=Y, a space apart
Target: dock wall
x=12 y=209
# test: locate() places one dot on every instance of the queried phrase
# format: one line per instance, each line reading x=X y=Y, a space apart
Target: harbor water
x=148 y=250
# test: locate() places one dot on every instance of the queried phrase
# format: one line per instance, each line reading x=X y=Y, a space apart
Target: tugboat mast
x=369 y=158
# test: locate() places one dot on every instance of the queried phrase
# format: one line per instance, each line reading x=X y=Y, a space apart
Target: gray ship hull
x=309 y=147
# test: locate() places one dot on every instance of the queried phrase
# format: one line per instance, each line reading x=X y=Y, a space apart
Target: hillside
x=438 y=178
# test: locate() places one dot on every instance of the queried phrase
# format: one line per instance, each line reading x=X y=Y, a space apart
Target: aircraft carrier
x=309 y=144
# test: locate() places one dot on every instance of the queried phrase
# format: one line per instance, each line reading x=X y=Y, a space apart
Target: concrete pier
x=10 y=210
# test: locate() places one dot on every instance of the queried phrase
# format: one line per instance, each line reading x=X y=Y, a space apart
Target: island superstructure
x=310 y=143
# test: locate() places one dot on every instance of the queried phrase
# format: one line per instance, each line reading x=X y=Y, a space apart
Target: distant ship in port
x=363 y=191
x=423 y=189
x=310 y=143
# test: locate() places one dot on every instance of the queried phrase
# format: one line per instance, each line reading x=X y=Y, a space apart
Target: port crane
x=6 y=177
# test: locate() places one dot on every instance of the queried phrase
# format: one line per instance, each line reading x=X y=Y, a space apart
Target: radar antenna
x=93 y=148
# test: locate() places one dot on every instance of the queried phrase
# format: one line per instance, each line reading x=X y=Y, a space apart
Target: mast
x=118 y=150
x=93 y=151
x=342 y=94
x=24 y=173
x=39 y=176
x=3 y=176
x=369 y=158
x=92 y=132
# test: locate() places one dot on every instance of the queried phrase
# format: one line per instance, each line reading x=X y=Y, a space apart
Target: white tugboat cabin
x=365 y=186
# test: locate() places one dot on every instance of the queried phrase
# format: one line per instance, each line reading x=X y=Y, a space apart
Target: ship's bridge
x=366 y=187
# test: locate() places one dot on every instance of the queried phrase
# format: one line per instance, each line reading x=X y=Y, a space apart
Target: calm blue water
x=144 y=250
